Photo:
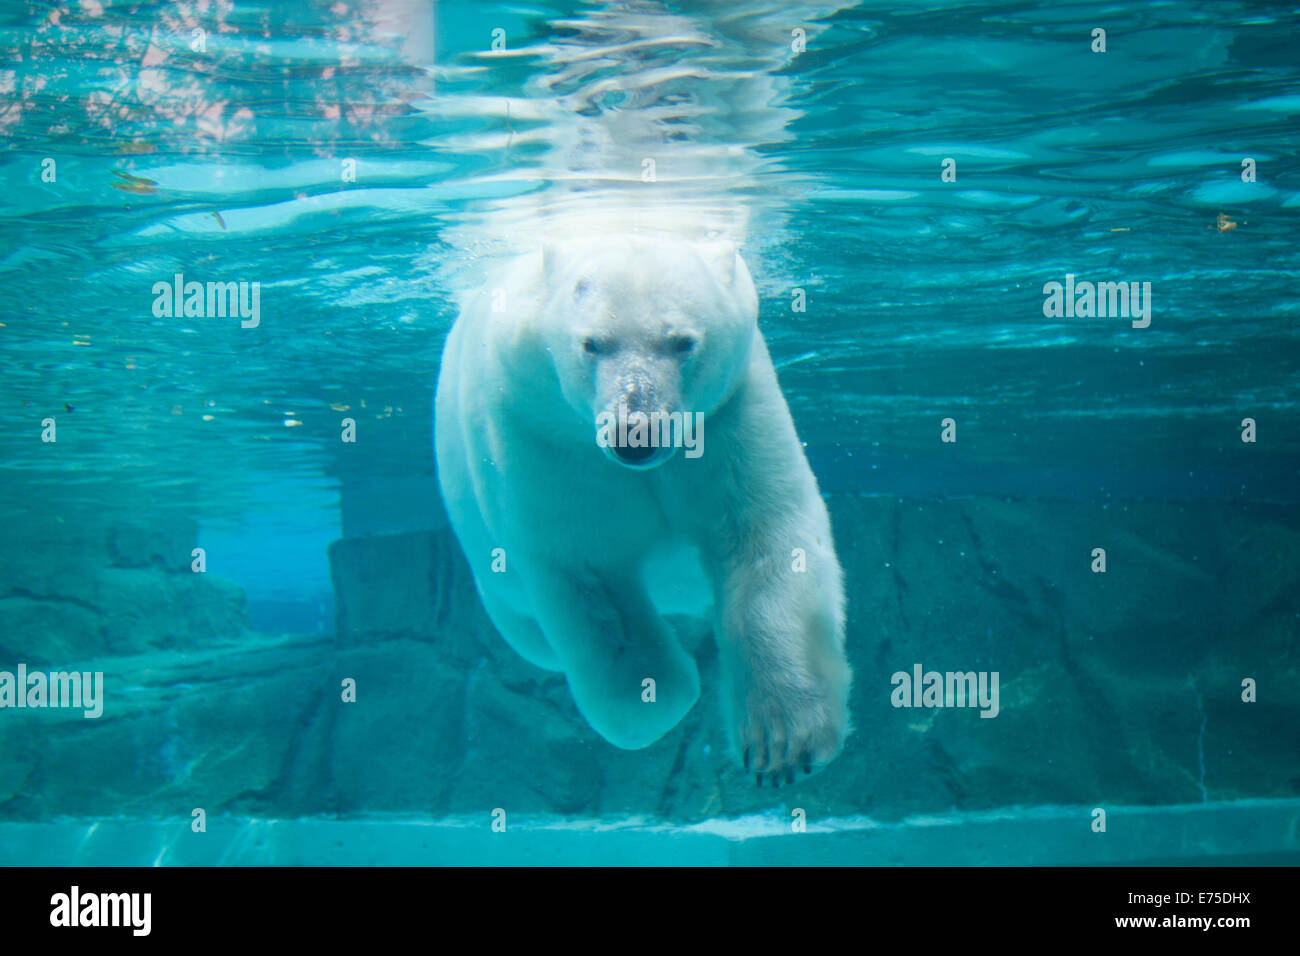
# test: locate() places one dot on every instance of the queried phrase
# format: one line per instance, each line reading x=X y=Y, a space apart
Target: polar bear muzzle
x=635 y=431
x=635 y=439
x=639 y=458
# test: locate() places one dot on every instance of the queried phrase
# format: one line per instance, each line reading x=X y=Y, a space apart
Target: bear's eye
x=581 y=288
x=591 y=346
x=682 y=344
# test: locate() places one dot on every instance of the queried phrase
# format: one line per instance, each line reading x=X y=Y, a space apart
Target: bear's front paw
x=783 y=731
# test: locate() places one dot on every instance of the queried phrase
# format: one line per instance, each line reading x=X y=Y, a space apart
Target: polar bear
x=568 y=524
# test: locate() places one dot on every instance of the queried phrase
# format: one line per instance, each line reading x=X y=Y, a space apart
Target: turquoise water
x=362 y=162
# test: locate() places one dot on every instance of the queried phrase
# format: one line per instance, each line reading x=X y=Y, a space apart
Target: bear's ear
x=720 y=257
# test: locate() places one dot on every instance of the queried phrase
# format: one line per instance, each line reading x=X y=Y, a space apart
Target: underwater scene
x=965 y=529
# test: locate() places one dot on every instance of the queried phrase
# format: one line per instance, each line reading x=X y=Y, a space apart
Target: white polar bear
x=563 y=534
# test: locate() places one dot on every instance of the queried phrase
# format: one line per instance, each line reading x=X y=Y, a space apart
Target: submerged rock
x=1114 y=688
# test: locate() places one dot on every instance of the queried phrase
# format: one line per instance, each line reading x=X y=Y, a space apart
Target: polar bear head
x=638 y=326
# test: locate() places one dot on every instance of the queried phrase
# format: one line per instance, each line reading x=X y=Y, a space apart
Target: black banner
x=1228 y=905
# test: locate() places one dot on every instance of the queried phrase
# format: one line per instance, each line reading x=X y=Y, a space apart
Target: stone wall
x=1116 y=688
x=70 y=591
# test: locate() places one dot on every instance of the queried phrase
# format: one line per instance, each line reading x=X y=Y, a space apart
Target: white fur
x=520 y=470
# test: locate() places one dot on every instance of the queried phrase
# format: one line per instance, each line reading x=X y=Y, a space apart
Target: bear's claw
x=778 y=741
x=776 y=777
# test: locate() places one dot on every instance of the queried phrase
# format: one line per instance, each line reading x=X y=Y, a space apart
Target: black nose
x=634 y=455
